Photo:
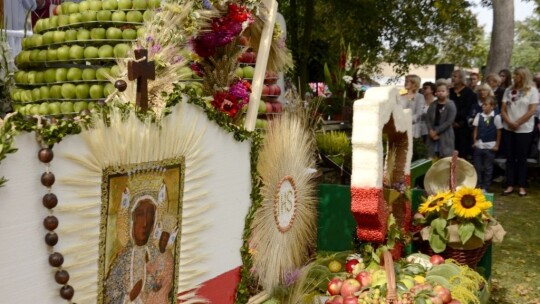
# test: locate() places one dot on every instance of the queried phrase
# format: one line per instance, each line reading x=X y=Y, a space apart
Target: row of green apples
x=95 y=5
x=72 y=53
x=81 y=19
x=72 y=74
x=54 y=108
x=81 y=35
x=64 y=91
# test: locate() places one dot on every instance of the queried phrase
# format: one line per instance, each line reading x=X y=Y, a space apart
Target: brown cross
x=142 y=70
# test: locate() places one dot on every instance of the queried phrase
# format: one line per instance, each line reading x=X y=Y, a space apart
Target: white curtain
x=14 y=16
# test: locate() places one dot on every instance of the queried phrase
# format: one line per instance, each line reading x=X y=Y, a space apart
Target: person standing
x=494 y=81
x=519 y=105
x=464 y=98
x=487 y=139
x=506 y=78
x=428 y=90
x=474 y=78
x=414 y=101
x=440 y=117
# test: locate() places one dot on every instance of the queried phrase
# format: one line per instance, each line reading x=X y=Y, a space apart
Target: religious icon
x=139 y=262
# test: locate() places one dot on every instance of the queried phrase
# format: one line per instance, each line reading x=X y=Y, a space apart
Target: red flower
x=226 y=103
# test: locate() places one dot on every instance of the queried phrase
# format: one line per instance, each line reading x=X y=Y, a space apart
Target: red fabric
x=44 y=11
x=370 y=213
x=221 y=289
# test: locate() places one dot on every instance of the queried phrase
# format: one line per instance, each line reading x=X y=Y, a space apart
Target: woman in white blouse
x=413 y=100
x=518 y=107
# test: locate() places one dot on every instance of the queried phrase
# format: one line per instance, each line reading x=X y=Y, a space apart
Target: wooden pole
x=2 y=13
x=260 y=66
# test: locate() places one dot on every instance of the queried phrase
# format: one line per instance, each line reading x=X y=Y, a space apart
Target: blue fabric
x=487 y=131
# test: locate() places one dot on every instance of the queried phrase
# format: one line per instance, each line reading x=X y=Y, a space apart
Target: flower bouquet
x=458 y=224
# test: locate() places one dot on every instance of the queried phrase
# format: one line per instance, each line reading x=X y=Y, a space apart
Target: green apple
x=248 y=71
x=239 y=72
x=108 y=89
x=89 y=74
x=109 y=5
x=55 y=91
x=59 y=9
x=90 y=52
x=140 y=4
x=34 y=55
x=104 y=16
x=26 y=96
x=121 y=50
x=95 y=5
x=54 y=108
x=66 y=107
x=76 y=52
x=61 y=74
x=63 y=20
x=154 y=3
x=44 y=91
x=71 y=35
x=96 y=91
x=42 y=56
x=80 y=106
x=91 y=105
x=118 y=16
x=53 y=21
x=59 y=36
x=129 y=34
x=82 y=91
x=65 y=8
x=124 y=4
x=52 y=55
x=63 y=52
x=83 y=35
x=36 y=95
x=48 y=38
x=68 y=91
x=75 y=18
x=31 y=77
x=34 y=109
x=106 y=51
x=39 y=26
x=21 y=77
x=102 y=73
x=148 y=15
x=141 y=32
x=73 y=8
x=37 y=40
x=89 y=16
x=97 y=33
x=113 y=33
x=49 y=75
x=45 y=24
x=185 y=72
x=74 y=74
x=43 y=109
x=24 y=56
x=84 y=6
x=115 y=71
x=39 y=77
x=134 y=16
x=26 y=43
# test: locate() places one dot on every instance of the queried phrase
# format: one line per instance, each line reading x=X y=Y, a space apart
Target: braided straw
x=453 y=176
x=391 y=296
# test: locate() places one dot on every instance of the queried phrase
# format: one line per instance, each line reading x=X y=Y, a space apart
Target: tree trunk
x=502 y=36
x=304 y=48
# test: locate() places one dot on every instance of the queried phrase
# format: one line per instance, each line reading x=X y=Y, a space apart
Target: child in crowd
x=486 y=138
x=483 y=91
x=440 y=117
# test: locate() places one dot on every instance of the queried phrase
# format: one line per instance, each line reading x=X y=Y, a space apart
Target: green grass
x=516 y=261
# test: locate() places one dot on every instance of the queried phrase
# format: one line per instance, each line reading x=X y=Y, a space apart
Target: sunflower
x=470 y=202
x=434 y=203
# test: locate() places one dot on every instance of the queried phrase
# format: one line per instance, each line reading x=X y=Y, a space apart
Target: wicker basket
x=469 y=257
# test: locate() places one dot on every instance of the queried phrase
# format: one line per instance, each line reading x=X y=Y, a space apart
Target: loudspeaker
x=443 y=70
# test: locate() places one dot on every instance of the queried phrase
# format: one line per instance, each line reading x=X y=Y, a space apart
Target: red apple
x=336 y=300
x=277 y=89
x=435 y=300
x=349 y=287
x=269 y=107
x=349 y=266
x=350 y=300
x=364 y=278
x=276 y=107
x=334 y=286
x=436 y=259
x=442 y=293
x=265 y=90
x=253 y=57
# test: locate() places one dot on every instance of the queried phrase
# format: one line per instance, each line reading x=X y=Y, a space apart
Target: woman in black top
x=463 y=98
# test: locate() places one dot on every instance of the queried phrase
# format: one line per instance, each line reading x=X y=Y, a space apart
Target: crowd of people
x=496 y=118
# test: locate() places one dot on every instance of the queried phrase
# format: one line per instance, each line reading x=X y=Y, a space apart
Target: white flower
x=347 y=79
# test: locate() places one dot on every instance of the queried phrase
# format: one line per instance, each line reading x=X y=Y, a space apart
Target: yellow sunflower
x=435 y=202
x=470 y=202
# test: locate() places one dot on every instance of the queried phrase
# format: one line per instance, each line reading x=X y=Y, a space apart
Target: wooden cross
x=142 y=70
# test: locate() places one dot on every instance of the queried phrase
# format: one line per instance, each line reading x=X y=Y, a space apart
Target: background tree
x=527 y=44
x=502 y=35
x=400 y=32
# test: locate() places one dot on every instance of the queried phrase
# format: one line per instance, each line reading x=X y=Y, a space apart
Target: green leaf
x=437 y=242
x=439 y=225
x=451 y=214
x=466 y=231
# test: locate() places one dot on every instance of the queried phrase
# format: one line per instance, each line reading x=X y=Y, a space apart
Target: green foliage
x=527 y=43
x=336 y=145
